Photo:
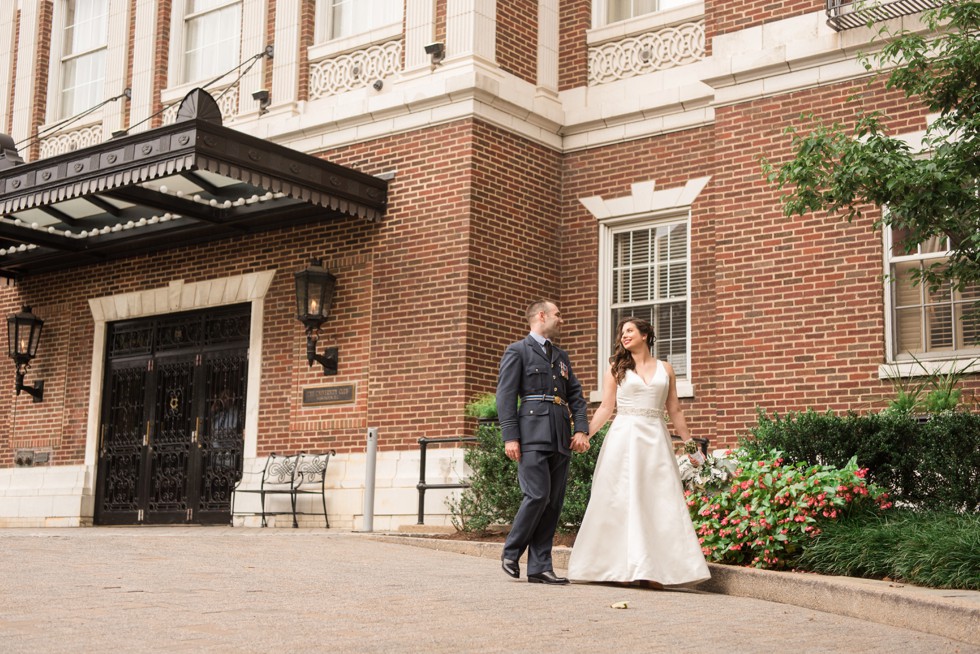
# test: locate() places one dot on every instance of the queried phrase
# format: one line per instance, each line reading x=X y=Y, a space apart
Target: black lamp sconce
x=314 y=299
x=23 y=335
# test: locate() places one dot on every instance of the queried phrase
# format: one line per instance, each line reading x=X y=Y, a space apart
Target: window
x=83 y=60
x=212 y=41
x=644 y=270
x=649 y=280
x=926 y=324
x=337 y=19
x=617 y=10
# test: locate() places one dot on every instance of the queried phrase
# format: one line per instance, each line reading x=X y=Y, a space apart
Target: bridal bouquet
x=700 y=472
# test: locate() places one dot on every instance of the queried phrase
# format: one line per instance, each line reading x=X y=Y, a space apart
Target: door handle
x=147 y=438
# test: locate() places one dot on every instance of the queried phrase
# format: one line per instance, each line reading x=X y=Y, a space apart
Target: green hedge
x=932 y=464
x=935 y=549
x=494 y=494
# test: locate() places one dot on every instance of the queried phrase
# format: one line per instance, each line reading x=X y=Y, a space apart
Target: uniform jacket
x=538 y=424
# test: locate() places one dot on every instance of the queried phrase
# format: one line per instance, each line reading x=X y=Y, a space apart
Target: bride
x=637 y=526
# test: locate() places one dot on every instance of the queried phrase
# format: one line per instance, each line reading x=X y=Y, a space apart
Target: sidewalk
x=950 y=613
x=222 y=589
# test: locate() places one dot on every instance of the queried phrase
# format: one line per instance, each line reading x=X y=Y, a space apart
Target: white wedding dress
x=637 y=524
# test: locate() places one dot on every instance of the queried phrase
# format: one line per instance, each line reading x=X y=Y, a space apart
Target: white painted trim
x=907 y=369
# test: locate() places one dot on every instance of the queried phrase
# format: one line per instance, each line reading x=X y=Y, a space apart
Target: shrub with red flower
x=769 y=511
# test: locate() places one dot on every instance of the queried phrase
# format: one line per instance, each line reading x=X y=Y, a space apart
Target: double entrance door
x=172 y=419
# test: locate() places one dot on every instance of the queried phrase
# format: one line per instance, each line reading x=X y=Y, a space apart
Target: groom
x=538 y=435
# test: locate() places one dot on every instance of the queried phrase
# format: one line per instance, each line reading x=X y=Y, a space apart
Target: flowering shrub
x=769 y=511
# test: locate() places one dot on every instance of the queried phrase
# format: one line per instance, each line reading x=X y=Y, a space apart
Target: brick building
x=603 y=153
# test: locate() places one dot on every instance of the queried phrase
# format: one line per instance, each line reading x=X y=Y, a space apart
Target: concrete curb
x=949 y=613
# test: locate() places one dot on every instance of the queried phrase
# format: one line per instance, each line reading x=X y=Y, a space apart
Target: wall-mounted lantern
x=314 y=299
x=23 y=335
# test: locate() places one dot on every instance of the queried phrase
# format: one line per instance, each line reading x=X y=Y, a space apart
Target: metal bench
x=291 y=475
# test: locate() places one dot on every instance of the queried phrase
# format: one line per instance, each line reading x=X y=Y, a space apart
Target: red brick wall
x=513 y=258
x=787 y=314
x=726 y=16
x=799 y=308
x=440 y=20
x=161 y=57
x=9 y=127
x=307 y=33
x=39 y=102
x=517 y=38
x=670 y=160
x=574 y=20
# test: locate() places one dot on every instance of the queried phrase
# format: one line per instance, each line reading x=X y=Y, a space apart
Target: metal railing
x=424 y=485
x=848 y=14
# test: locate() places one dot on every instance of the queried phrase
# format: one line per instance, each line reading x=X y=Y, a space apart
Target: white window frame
x=321 y=49
x=180 y=6
x=60 y=23
x=893 y=368
x=252 y=31
x=324 y=23
x=963 y=360
x=600 y=9
x=115 y=58
x=644 y=207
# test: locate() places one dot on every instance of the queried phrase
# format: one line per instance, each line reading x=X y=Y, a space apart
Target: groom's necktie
x=547 y=350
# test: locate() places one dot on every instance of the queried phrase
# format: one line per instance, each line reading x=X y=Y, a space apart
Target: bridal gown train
x=637 y=524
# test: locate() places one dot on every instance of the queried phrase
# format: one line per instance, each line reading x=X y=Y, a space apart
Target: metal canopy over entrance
x=190 y=182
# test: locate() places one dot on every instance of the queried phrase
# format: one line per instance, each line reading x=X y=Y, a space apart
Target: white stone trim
x=352 y=70
x=644 y=205
x=25 y=77
x=396 y=493
x=471 y=29
x=645 y=53
x=548 y=43
x=285 y=62
x=793 y=54
x=144 y=43
x=8 y=12
x=420 y=26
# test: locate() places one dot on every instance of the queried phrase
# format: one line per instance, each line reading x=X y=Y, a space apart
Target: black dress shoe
x=547 y=577
x=511 y=567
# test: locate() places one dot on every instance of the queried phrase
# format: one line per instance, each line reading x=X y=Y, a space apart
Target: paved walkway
x=280 y=590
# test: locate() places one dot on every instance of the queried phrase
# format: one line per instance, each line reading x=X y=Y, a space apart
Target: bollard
x=367 y=521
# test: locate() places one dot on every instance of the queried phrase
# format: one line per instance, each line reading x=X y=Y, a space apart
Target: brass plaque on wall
x=333 y=394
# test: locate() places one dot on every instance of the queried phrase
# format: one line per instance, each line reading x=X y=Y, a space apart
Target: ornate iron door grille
x=171 y=438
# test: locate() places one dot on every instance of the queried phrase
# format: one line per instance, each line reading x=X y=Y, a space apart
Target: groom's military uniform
x=551 y=410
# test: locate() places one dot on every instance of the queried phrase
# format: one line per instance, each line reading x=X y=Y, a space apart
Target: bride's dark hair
x=622 y=359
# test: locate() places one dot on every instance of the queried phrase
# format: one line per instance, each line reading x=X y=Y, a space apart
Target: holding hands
x=580 y=442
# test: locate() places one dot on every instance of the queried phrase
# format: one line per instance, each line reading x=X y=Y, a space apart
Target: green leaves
x=840 y=170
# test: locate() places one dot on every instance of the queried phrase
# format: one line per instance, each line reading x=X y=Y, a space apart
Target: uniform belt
x=545 y=398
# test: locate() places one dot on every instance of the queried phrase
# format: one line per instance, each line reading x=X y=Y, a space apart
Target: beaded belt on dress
x=638 y=411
